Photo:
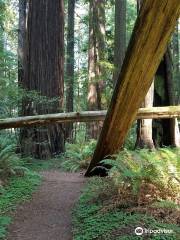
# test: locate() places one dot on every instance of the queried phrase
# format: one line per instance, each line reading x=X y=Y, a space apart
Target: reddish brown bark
x=44 y=73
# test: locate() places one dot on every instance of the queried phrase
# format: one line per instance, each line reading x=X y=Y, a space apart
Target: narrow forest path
x=48 y=215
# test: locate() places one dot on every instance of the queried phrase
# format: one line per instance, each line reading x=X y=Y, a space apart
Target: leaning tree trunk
x=70 y=67
x=44 y=74
x=144 y=126
x=147 y=46
x=96 y=56
x=120 y=37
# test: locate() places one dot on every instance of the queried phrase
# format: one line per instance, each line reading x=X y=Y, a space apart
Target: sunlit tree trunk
x=96 y=57
x=70 y=67
x=44 y=64
x=120 y=37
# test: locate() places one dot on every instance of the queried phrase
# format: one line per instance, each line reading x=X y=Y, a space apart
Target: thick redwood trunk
x=44 y=74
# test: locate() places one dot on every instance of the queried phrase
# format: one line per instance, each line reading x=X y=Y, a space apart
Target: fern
x=78 y=155
x=160 y=168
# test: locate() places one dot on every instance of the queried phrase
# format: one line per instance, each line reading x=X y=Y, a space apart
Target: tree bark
x=44 y=74
x=21 y=39
x=148 y=44
x=70 y=67
x=96 y=56
x=166 y=131
x=175 y=46
x=144 y=126
x=120 y=37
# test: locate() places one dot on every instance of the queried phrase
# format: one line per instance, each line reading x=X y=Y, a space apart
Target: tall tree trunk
x=175 y=47
x=96 y=56
x=166 y=131
x=44 y=74
x=144 y=126
x=70 y=66
x=120 y=37
x=21 y=39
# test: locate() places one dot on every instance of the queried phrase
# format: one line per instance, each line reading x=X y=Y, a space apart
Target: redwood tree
x=165 y=131
x=21 y=38
x=44 y=64
x=70 y=66
x=96 y=57
x=120 y=36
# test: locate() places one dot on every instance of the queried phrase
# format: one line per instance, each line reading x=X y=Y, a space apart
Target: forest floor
x=48 y=215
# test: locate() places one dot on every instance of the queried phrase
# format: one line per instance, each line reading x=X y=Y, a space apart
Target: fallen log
x=154 y=26
x=143 y=113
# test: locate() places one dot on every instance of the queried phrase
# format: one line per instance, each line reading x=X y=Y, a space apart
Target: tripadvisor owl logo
x=139 y=231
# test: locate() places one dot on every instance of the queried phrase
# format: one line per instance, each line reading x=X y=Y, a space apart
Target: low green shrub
x=143 y=172
x=78 y=155
x=10 y=163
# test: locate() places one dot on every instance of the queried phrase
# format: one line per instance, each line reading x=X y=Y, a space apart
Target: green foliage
x=160 y=168
x=43 y=165
x=4 y=222
x=90 y=222
x=10 y=163
x=18 y=190
x=78 y=155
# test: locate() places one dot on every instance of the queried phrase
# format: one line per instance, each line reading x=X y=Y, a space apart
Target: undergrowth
x=78 y=155
x=18 y=190
x=17 y=182
x=142 y=190
x=92 y=222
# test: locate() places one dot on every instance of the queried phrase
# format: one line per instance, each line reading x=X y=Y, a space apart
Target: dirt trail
x=48 y=215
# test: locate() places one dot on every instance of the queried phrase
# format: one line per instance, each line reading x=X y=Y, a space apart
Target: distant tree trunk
x=21 y=39
x=166 y=131
x=44 y=74
x=120 y=36
x=96 y=56
x=70 y=67
x=144 y=127
x=175 y=47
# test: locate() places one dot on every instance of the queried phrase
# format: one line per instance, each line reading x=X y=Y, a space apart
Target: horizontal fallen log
x=143 y=113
